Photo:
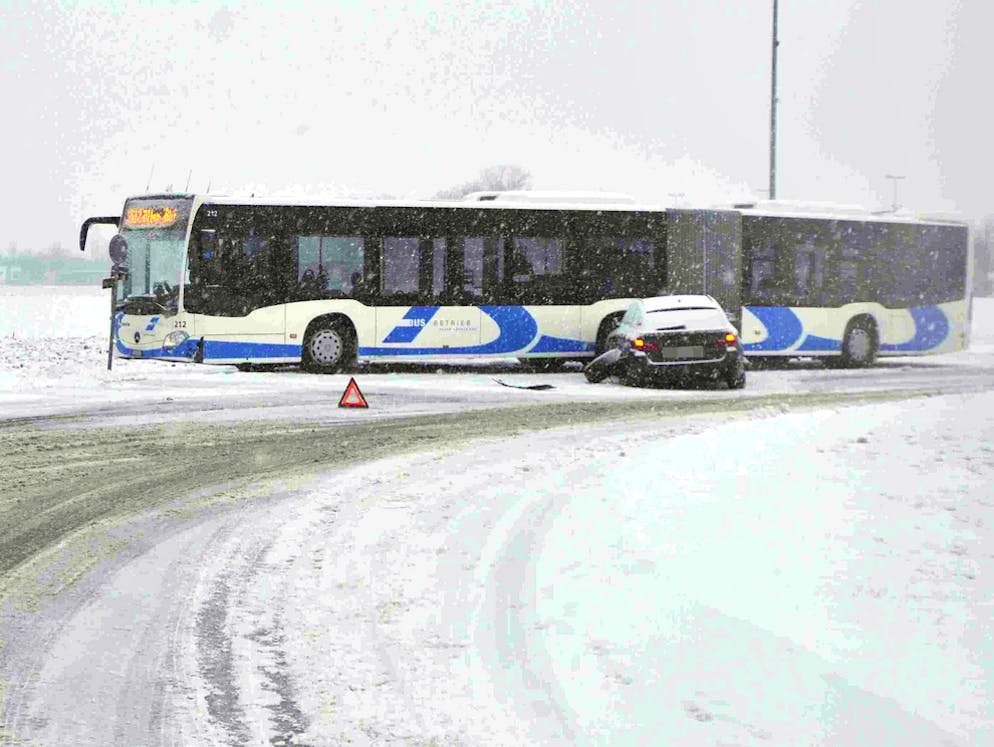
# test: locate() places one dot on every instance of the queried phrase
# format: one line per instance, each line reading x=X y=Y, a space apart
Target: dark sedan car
x=672 y=339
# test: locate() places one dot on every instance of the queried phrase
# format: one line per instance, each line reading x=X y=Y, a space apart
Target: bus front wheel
x=329 y=348
x=607 y=326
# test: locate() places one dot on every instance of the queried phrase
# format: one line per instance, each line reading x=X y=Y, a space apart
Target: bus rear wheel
x=329 y=347
x=607 y=326
x=859 y=345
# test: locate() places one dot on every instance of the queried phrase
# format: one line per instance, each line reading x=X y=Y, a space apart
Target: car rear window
x=691 y=317
x=684 y=308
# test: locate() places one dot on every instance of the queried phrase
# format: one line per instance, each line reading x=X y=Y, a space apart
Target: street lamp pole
x=773 y=110
x=894 y=180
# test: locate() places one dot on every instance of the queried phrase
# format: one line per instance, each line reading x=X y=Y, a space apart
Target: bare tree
x=499 y=178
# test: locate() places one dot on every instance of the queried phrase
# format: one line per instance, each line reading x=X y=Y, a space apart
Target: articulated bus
x=249 y=281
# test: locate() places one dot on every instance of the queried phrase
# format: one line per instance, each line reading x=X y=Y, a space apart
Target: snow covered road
x=818 y=577
x=82 y=393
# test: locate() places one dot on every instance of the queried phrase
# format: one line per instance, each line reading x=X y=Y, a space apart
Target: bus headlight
x=176 y=338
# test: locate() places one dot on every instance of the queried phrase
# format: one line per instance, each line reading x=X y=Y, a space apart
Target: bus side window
x=401 y=269
x=438 y=268
x=637 y=276
x=308 y=267
x=207 y=244
x=597 y=268
x=809 y=274
x=327 y=266
x=847 y=274
x=762 y=272
x=534 y=268
x=200 y=270
x=341 y=258
x=472 y=267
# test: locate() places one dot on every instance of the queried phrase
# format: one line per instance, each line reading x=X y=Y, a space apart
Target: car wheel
x=329 y=348
x=736 y=380
x=596 y=374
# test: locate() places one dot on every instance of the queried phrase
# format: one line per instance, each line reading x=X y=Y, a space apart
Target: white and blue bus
x=249 y=281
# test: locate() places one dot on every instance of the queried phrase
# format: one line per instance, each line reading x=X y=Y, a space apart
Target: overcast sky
x=404 y=99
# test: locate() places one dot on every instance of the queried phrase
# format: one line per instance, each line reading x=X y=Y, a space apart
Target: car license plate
x=689 y=351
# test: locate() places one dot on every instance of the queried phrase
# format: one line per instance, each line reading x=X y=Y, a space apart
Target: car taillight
x=729 y=340
x=639 y=344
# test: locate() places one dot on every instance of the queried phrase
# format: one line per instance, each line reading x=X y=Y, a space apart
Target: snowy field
x=56 y=311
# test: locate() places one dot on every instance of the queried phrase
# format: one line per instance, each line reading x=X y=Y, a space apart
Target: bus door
x=429 y=297
x=704 y=255
x=237 y=291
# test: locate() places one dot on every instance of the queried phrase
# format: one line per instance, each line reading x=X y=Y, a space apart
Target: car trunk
x=684 y=346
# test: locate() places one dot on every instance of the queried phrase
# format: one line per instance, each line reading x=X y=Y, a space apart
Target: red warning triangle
x=352 y=396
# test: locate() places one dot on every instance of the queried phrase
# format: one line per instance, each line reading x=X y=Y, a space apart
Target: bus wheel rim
x=326 y=347
x=859 y=344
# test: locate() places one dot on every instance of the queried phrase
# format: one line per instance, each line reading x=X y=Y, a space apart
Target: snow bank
x=818 y=578
x=814 y=578
x=32 y=312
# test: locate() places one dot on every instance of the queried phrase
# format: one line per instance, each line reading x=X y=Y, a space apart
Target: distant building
x=31 y=269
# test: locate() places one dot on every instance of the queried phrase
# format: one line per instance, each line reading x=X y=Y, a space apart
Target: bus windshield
x=156 y=234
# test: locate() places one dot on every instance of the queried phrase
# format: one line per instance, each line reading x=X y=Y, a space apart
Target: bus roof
x=511 y=204
x=580 y=201
x=536 y=196
x=835 y=211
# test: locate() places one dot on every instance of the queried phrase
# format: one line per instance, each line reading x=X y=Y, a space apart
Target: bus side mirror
x=84 y=230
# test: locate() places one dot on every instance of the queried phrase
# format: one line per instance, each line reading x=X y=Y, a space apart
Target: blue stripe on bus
x=548 y=344
x=217 y=349
x=813 y=343
x=517 y=329
x=783 y=328
x=225 y=349
x=931 y=329
x=186 y=350
x=417 y=318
